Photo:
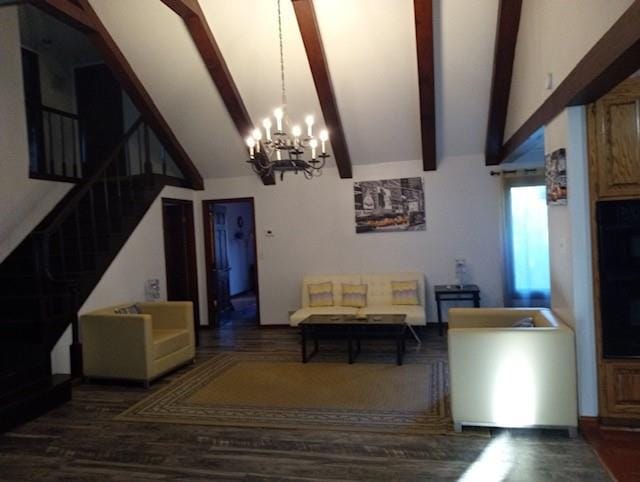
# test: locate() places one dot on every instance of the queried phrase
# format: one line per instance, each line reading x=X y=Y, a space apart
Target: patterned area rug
x=277 y=391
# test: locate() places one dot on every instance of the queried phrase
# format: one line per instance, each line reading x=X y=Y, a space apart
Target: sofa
x=378 y=298
x=508 y=376
x=137 y=346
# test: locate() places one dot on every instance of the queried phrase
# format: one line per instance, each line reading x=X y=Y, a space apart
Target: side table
x=455 y=293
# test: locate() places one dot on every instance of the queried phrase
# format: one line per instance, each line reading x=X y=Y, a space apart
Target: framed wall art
x=389 y=205
x=556 y=175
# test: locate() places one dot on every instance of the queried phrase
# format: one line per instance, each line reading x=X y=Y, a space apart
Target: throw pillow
x=320 y=294
x=404 y=293
x=524 y=323
x=354 y=295
x=128 y=310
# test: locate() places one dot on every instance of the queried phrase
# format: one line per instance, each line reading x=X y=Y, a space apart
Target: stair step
x=34 y=400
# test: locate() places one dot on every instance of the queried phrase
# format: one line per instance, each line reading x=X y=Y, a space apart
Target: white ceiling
x=371 y=54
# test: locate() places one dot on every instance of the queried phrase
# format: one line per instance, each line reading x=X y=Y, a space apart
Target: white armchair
x=511 y=377
x=137 y=346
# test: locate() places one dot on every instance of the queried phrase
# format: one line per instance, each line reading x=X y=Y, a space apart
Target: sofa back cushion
x=320 y=294
x=379 y=286
x=336 y=279
x=354 y=295
x=500 y=317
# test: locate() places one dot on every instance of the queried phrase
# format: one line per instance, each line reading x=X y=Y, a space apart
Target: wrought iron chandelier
x=284 y=148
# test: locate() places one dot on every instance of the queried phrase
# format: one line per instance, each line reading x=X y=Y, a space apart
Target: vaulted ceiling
x=370 y=48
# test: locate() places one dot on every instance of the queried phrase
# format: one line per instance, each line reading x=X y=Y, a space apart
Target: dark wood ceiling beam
x=423 y=14
x=198 y=27
x=308 y=24
x=503 y=56
x=130 y=82
x=612 y=59
x=67 y=11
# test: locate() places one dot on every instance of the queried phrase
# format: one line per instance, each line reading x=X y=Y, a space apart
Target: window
x=527 y=242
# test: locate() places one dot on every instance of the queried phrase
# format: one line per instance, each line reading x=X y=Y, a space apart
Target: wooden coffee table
x=353 y=329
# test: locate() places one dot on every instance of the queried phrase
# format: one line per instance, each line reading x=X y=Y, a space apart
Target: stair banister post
x=75 y=349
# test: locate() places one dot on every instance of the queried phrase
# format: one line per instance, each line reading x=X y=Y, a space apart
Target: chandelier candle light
x=278 y=151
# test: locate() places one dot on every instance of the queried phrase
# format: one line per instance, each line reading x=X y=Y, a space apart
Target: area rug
x=278 y=391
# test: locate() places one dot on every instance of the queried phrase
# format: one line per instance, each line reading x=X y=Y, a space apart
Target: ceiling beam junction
x=614 y=58
x=503 y=55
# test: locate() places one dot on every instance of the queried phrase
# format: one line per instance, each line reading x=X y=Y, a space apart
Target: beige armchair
x=137 y=346
x=511 y=377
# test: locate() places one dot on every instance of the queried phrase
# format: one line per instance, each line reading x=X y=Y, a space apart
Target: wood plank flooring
x=617 y=447
x=81 y=441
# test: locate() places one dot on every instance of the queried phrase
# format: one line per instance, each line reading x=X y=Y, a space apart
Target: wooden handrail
x=54 y=219
x=60 y=112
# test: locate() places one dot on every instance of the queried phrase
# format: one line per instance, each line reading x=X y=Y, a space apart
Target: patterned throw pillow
x=320 y=294
x=524 y=323
x=354 y=295
x=128 y=310
x=404 y=293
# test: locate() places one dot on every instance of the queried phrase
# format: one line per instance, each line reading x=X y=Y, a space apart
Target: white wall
x=570 y=251
x=554 y=36
x=23 y=201
x=140 y=259
x=314 y=230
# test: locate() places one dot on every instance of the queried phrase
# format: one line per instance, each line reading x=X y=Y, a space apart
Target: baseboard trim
x=620 y=423
x=588 y=423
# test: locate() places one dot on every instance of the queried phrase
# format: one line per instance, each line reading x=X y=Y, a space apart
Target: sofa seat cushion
x=415 y=313
x=304 y=313
x=166 y=342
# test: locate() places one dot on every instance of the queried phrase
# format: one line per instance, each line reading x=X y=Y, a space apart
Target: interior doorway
x=99 y=102
x=180 y=254
x=231 y=262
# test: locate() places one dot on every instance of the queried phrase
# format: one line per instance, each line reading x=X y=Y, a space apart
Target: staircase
x=47 y=278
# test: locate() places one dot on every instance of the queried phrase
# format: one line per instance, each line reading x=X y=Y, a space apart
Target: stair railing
x=52 y=225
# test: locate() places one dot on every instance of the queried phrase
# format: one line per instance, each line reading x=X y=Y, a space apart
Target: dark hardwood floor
x=617 y=447
x=81 y=441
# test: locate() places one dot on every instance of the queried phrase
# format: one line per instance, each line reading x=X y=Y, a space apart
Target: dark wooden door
x=99 y=100
x=33 y=103
x=180 y=254
x=221 y=266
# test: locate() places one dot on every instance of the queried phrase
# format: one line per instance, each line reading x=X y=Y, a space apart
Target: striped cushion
x=354 y=295
x=128 y=310
x=320 y=294
x=404 y=293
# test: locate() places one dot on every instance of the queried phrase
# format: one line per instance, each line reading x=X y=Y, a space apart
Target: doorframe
x=209 y=247
x=192 y=254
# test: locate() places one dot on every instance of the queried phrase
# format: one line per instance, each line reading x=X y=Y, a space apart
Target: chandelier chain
x=284 y=93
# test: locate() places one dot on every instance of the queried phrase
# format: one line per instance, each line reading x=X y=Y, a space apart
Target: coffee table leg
x=400 y=345
x=439 y=315
x=350 y=346
x=304 y=343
